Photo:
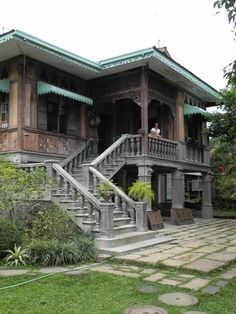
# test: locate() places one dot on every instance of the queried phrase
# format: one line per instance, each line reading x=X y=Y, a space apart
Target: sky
x=195 y=36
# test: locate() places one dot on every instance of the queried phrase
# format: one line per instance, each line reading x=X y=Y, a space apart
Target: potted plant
x=141 y=191
x=105 y=190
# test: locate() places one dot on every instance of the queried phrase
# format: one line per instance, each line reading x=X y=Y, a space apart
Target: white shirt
x=155 y=132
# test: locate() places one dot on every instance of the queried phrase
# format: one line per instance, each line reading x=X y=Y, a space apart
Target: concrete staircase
x=71 y=195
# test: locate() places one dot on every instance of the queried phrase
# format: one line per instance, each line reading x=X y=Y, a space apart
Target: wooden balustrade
x=194 y=153
x=162 y=148
x=81 y=154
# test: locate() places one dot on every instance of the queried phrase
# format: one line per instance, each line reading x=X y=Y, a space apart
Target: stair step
x=125 y=239
x=119 y=221
x=118 y=230
x=124 y=249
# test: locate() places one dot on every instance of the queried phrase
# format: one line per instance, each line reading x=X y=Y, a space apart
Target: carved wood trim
x=153 y=95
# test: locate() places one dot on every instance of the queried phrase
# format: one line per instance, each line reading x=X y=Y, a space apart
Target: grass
x=226 y=213
x=99 y=293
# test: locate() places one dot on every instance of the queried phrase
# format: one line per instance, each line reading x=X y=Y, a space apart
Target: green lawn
x=226 y=213
x=98 y=293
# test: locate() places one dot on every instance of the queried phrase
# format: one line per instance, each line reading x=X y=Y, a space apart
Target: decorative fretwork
x=153 y=95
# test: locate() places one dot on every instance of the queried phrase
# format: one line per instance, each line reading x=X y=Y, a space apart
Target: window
x=3 y=110
x=56 y=117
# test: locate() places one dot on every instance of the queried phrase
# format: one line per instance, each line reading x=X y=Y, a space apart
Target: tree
x=223 y=124
x=18 y=186
x=224 y=167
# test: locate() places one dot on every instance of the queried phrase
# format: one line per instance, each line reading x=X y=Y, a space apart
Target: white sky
x=194 y=34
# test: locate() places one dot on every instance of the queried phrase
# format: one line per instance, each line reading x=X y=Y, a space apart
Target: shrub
x=54 y=252
x=52 y=223
x=16 y=256
x=9 y=235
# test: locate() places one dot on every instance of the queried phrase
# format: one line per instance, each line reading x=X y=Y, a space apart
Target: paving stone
x=187 y=276
x=148 y=271
x=229 y=274
x=231 y=249
x=174 y=262
x=211 y=289
x=178 y=250
x=109 y=270
x=178 y=299
x=153 y=259
x=128 y=268
x=56 y=269
x=223 y=256
x=13 y=272
x=195 y=284
x=204 y=265
x=170 y=282
x=145 y=309
x=189 y=257
x=129 y=257
x=209 y=249
x=221 y=283
x=147 y=288
x=155 y=277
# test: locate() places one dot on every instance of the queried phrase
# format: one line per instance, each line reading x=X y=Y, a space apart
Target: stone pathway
x=203 y=246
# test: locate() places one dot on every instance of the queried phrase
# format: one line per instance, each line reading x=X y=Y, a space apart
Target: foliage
x=16 y=256
x=222 y=124
x=51 y=223
x=9 y=235
x=105 y=190
x=18 y=186
x=54 y=252
x=141 y=191
x=224 y=167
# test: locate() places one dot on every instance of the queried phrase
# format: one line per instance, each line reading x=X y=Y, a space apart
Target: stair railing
x=100 y=213
x=74 y=160
x=126 y=145
x=136 y=210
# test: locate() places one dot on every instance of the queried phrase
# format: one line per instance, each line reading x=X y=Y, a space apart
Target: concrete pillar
x=145 y=174
x=177 y=191
x=207 y=209
x=144 y=109
x=141 y=216
x=106 y=223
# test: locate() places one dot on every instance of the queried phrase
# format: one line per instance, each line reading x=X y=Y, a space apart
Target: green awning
x=45 y=88
x=189 y=110
x=4 y=86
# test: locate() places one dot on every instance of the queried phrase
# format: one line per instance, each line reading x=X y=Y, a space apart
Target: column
x=207 y=209
x=145 y=174
x=177 y=191
x=144 y=109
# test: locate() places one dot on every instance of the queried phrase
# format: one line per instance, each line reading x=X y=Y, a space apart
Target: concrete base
x=207 y=212
x=128 y=242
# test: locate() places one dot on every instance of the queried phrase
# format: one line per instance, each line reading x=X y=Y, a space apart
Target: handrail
x=163 y=139
x=108 y=151
x=92 y=199
x=113 y=186
x=64 y=162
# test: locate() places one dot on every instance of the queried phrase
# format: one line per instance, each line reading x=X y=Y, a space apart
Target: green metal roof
x=4 y=86
x=45 y=88
x=155 y=53
x=16 y=42
x=41 y=44
x=190 y=110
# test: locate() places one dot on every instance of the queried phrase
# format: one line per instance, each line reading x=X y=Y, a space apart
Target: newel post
x=106 y=223
x=49 y=171
x=141 y=216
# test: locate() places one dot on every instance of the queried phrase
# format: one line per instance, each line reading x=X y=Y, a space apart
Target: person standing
x=155 y=131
